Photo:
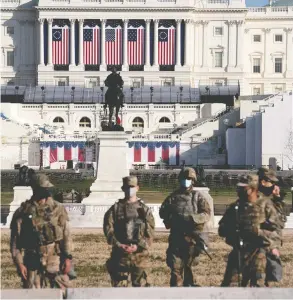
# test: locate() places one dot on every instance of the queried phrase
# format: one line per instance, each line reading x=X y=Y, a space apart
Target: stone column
x=41 y=54
x=196 y=44
x=156 y=41
x=205 y=44
x=72 y=42
x=80 y=60
x=125 y=66
x=267 y=43
x=289 y=58
x=50 y=41
x=147 y=43
x=232 y=45
x=178 y=43
x=188 y=43
x=240 y=45
x=103 y=66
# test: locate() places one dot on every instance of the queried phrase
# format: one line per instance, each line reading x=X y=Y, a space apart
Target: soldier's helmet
x=43 y=181
x=249 y=180
x=129 y=181
x=187 y=173
x=267 y=175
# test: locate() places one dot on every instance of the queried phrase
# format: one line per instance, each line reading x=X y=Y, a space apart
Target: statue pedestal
x=205 y=191
x=112 y=167
x=21 y=194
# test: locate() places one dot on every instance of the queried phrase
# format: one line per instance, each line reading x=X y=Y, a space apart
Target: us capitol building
x=192 y=69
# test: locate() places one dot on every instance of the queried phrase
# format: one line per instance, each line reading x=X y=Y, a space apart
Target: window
x=10 y=82
x=164 y=120
x=278 y=65
x=10 y=30
x=257 y=38
x=256 y=65
x=218 y=59
x=10 y=58
x=136 y=84
x=85 y=122
x=278 y=89
x=92 y=82
x=137 y=124
x=167 y=81
x=218 y=30
x=61 y=83
x=58 y=120
x=256 y=91
x=279 y=38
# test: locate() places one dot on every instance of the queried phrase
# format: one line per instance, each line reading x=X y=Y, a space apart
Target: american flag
x=91 y=45
x=60 y=45
x=166 y=45
x=113 y=45
x=136 y=46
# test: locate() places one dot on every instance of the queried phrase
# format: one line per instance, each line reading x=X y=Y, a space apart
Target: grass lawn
x=91 y=252
x=223 y=196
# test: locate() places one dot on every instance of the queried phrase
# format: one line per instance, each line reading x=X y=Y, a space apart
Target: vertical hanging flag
x=166 y=45
x=91 y=44
x=113 y=45
x=165 y=152
x=53 y=152
x=81 y=152
x=136 y=44
x=177 y=154
x=137 y=152
x=67 y=151
x=151 y=152
x=60 y=45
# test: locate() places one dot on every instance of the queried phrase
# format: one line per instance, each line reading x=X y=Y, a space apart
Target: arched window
x=58 y=120
x=85 y=122
x=137 y=123
x=164 y=120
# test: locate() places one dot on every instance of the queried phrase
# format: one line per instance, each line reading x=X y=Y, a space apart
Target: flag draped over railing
x=167 y=42
x=114 y=34
x=136 y=43
x=91 y=43
x=60 y=43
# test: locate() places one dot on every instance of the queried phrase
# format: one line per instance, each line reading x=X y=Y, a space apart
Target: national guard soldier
x=249 y=226
x=39 y=236
x=268 y=186
x=129 y=227
x=185 y=213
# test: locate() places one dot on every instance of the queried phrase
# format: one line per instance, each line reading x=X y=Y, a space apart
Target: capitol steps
x=209 y=126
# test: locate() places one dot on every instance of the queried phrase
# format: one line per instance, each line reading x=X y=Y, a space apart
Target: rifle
x=239 y=244
x=202 y=245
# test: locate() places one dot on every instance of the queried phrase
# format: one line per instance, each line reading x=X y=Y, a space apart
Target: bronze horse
x=113 y=99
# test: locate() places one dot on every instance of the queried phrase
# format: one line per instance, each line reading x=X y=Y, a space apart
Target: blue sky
x=256 y=2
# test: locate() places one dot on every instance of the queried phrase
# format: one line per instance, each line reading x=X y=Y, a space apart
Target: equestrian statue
x=114 y=96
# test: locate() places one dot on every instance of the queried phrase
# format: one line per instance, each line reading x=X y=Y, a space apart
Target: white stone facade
x=224 y=42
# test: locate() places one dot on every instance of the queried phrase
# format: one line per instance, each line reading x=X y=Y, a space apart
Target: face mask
x=130 y=192
x=186 y=183
x=267 y=191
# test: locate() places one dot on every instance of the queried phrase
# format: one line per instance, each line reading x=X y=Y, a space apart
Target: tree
x=289 y=144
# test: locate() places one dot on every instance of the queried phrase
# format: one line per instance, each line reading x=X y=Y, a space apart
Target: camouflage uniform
x=129 y=223
x=257 y=223
x=39 y=236
x=279 y=204
x=184 y=212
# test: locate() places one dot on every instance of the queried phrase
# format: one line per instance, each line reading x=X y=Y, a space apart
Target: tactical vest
x=183 y=207
x=129 y=221
x=39 y=225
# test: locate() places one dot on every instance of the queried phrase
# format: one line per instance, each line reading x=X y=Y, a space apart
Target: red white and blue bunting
x=63 y=151
x=155 y=152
